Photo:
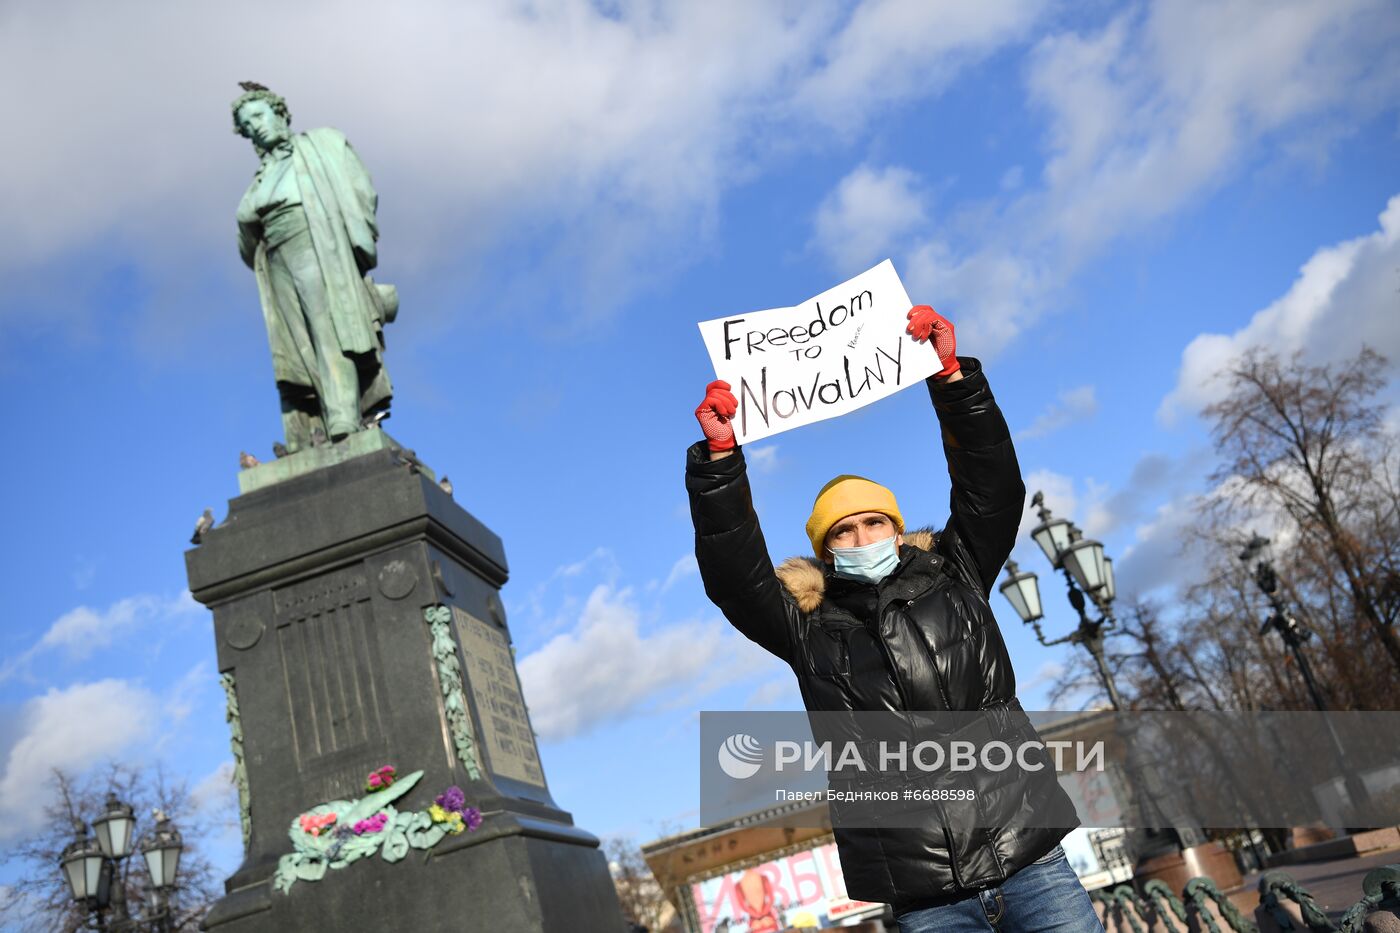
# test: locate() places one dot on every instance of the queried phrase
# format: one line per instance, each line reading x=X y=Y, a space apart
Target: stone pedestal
x=1211 y=860
x=358 y=624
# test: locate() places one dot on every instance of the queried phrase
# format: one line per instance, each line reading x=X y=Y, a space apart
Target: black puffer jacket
x=924 y=638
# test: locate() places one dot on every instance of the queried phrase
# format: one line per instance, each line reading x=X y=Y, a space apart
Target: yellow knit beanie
x=847 y=495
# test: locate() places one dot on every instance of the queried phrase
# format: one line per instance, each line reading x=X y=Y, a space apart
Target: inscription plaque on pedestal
x=505 y=723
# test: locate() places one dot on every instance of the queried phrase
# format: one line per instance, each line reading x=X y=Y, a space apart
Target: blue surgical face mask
x=871 y=563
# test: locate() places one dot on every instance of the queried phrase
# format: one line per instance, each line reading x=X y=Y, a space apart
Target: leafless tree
x=643 y=902
x=1303 y=447
x=1307 y=442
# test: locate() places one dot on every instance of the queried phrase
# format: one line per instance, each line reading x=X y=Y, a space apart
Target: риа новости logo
x=740 y=756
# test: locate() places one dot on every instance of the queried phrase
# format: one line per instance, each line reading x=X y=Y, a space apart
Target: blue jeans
x=1045 y=895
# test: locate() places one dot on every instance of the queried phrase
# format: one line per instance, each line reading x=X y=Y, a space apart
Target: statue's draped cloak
x=339 y=201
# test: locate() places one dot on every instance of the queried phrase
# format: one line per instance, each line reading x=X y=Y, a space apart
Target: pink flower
x=380 y=778
x=314 y=824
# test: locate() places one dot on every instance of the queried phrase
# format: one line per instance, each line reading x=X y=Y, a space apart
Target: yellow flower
x=454 y=823
x=438 y=814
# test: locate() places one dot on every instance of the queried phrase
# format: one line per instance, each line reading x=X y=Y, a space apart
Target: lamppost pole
x=1088 y=576
x=1295 y=634
x=1090 y=635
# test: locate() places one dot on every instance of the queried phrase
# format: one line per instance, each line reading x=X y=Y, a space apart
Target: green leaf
x=311 y=869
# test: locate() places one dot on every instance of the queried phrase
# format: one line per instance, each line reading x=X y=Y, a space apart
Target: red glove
x=923 y=322
x=714 y=414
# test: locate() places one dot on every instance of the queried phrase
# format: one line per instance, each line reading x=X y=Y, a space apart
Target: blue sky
x=1109 y=201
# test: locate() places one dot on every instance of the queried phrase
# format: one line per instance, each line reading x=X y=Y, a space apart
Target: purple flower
x=472 y=817
x=372 y=825
x=452 y=799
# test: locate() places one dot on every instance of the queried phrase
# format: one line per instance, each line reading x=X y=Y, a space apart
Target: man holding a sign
x=881 y=618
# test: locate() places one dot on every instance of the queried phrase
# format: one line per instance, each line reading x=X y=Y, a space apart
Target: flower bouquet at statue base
x=335 y=834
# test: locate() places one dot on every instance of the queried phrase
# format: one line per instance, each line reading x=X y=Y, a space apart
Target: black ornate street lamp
x=114 y=828
x=162 y=853
x=92 y=868
x=1087 y=570
x=84 y=869
x=1295 y=634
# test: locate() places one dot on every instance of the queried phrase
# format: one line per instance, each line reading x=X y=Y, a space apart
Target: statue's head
x=262 y=116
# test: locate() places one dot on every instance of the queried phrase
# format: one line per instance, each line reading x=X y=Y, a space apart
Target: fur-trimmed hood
x=805 y=577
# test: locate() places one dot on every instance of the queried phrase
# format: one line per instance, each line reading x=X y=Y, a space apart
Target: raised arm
x=729 y=546
x=988 y=495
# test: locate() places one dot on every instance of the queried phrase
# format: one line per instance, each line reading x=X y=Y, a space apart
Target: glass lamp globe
x=1053 y=537
x=1022 y=591
x=114 y=828
x=162 y=853
x=1085 y=562
x=82 y=864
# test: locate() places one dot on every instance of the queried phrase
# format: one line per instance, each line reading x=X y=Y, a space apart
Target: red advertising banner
x=805 y=889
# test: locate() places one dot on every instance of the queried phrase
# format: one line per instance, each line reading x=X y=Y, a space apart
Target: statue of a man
x=307 y=229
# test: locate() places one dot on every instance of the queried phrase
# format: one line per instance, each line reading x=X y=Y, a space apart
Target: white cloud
x=185 y=693
x=212 y=792
x=1077 y=404
x=1060 y=498
x=992 y=293
x=599 y=557
x=1345 y=296
x=1080 y=502
x=772 y=692
x=1158 y=557
x=762 y=458
x=1152 y=476
x=1145 y=115
x=611 y=131
x=1165 y=553
x=893 y=48
x=214 y=803
x=684 y=567
x=214 y=807
x=606 y=667
x=600 y=563
x=83 y=630
x=71 y=729
x=867 y=214
x=1148 y=517
x=1149 y=112
x=1044 y=676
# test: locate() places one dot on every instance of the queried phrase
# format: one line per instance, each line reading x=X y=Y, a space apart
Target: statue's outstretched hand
x=924 y=322
x=714 y=413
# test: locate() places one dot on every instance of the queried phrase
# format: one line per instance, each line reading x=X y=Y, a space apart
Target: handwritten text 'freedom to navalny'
x=840 y=351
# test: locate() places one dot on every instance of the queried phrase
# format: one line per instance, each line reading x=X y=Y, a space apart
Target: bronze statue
x=306 y=227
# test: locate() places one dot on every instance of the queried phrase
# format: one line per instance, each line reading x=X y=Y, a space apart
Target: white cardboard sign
x=840 y=351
